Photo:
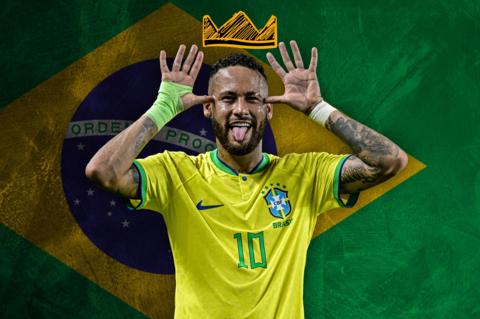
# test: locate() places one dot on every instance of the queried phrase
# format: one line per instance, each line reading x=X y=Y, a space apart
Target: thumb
x=201 y=99
x=275 y=99
x=191 y=99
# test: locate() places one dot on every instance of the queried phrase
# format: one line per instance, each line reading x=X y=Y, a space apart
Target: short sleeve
x=327 y=169
x=154 y=184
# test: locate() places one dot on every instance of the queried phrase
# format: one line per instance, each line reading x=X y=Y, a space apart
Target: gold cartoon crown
x=240 y=32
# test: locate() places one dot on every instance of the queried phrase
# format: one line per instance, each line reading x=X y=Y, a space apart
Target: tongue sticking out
x=239 y=133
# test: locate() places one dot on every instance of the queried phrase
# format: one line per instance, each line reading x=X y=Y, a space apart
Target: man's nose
x=241 y=106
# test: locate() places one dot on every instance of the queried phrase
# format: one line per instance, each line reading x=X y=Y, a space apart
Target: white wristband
x=321 y=112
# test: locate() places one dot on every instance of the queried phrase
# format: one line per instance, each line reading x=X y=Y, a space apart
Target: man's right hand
x=185 y=74
x=111 y=167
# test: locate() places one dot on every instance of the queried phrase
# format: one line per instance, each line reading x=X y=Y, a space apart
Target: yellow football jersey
x=239 y=241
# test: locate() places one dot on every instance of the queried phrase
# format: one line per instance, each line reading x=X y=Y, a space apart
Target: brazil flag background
x=410 y=70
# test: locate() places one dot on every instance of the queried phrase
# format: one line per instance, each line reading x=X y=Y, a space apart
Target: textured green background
x=409 y=69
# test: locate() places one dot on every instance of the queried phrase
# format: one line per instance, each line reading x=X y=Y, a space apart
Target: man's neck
x=241 y=163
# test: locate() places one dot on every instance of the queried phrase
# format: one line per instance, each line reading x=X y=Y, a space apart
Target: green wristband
x=168 y=103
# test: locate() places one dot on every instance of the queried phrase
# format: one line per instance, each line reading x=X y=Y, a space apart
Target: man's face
x=238 y=113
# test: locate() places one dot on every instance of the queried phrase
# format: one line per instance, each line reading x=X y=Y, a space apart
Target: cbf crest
x=277 y=200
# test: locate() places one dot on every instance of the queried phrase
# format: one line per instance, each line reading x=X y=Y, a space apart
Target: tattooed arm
x=112 y=166
x=375 y=158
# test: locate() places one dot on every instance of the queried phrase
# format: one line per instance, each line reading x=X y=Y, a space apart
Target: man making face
x=240 y=221
x=238 y=86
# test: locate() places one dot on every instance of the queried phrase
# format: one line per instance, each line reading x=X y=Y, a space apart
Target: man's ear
x=207 y=110
x=269 y=111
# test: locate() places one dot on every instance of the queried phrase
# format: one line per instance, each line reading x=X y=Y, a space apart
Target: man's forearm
x=115 y=158
x=370 y=146
x=111 y=167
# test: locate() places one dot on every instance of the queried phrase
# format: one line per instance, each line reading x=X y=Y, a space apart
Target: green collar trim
x=224 y=167
x=220 y=164
x=261 y=165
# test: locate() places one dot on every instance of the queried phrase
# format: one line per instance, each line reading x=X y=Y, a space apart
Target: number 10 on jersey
x=251 y=252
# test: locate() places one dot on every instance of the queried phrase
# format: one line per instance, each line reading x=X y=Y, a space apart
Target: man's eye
x=228 y=98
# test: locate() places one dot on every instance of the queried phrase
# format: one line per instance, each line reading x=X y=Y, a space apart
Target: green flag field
x=408 y=69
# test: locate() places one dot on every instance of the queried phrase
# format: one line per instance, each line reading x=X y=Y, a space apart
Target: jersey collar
x=224 y=167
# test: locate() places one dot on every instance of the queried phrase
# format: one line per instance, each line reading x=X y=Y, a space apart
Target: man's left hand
x=302 y=91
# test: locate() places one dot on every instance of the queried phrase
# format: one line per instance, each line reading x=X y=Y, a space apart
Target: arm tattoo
x=134 y=187
x=145 y=134
x=376 y=158
x=356 y=175
x=134 y=174
x=149 y=129
x=363 y=174
x=370 y=146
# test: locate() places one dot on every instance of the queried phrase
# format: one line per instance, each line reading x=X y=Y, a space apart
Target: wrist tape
x=168 y=103
x=321 y=112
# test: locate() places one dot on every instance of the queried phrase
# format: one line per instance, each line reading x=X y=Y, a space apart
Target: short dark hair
x=237 y=59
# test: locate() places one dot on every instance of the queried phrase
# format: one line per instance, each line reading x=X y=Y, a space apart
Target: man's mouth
x=239 y=130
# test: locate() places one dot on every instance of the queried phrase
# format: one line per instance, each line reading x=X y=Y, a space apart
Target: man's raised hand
x=184 y=73
x=302 y=91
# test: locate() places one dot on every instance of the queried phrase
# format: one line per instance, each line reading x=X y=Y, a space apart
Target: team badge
x=277 y=202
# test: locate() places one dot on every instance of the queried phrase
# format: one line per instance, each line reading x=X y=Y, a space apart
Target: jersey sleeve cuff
x=352 y=199
x=135 y=204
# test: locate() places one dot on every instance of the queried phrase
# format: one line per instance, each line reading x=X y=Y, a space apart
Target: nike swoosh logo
x=201 y=207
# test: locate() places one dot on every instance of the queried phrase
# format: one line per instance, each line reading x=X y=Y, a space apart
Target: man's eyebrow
x=227 y=93
x=249 y=93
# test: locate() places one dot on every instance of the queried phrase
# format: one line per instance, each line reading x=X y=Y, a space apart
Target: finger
x=178 y=58
x=202 y=99
x=313 y=60
x=275 y=99
x=190 y=99
x=275 y=65
x=197 y=65
x=286 y=59
x=296 y=54
x=163 y=62
x=190 y=58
